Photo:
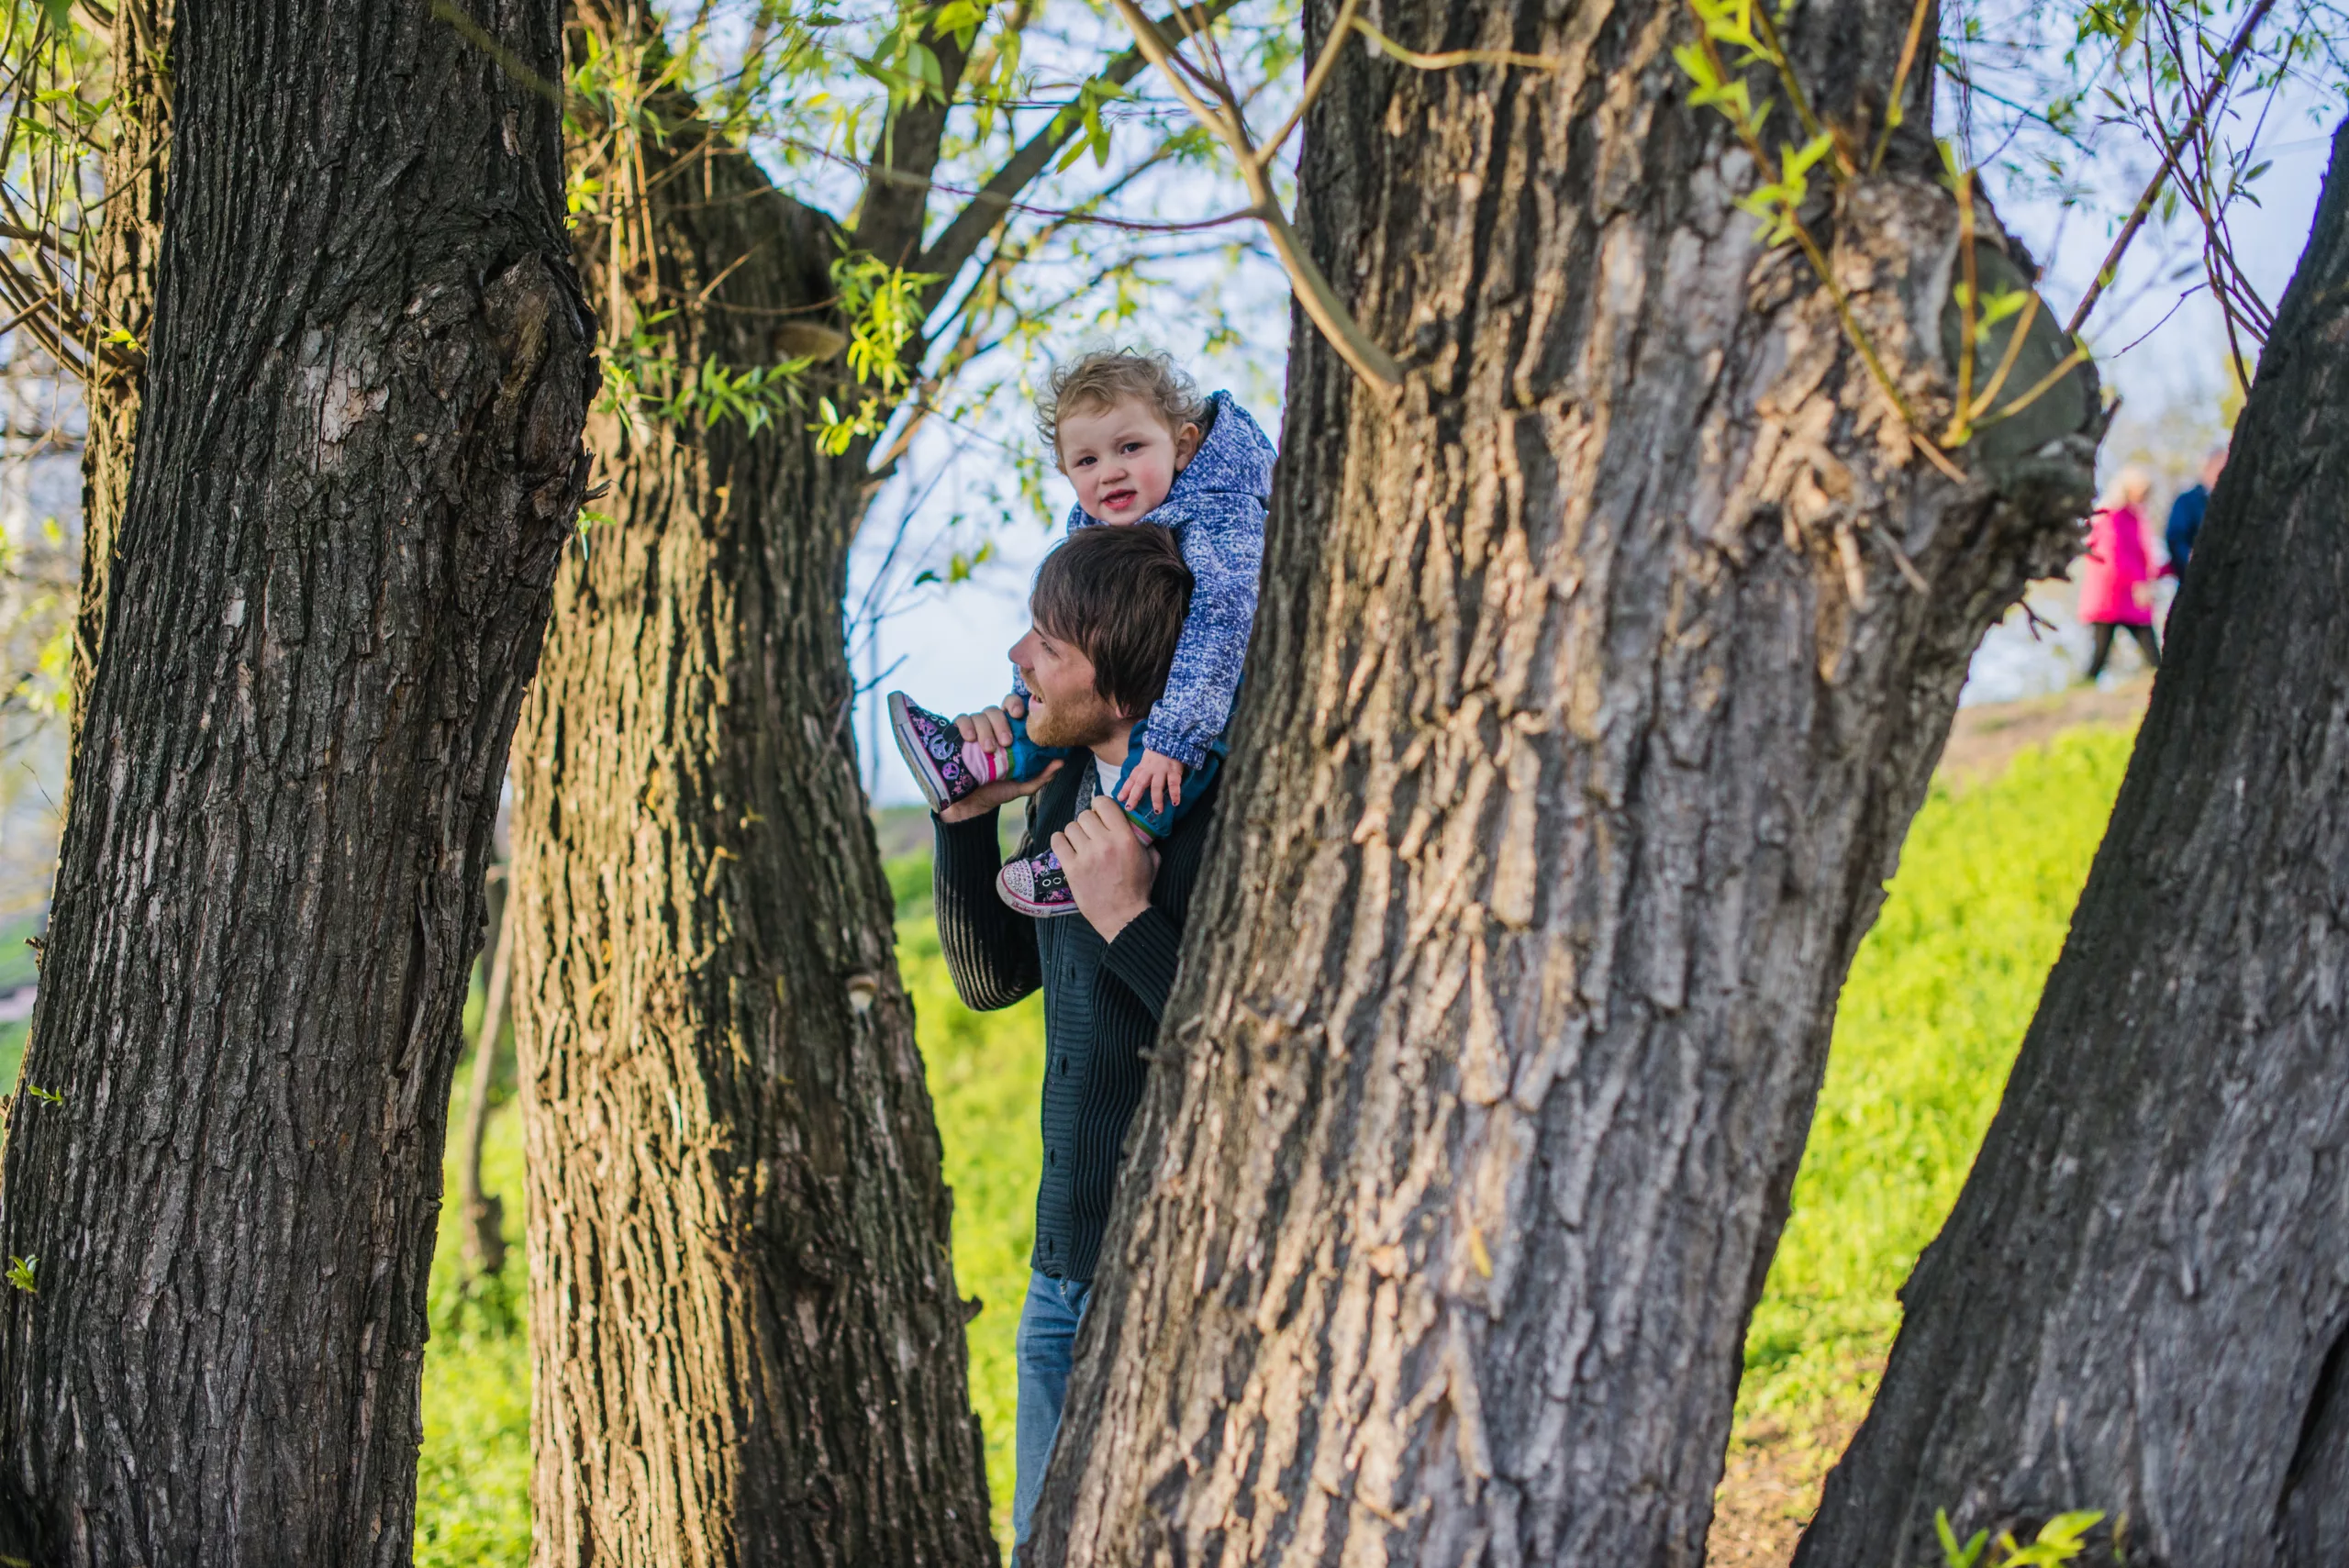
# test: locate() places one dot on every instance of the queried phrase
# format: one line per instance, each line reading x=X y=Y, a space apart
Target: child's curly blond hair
x=1104 y=378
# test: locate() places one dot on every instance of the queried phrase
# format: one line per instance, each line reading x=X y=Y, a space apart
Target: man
x=1108 y=608
x=2185 y=512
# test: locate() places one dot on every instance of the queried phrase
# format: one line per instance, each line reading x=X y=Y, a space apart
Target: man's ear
x=1186 y=446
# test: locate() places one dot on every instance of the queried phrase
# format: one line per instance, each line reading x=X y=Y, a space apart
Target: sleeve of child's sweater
x=1224 y=548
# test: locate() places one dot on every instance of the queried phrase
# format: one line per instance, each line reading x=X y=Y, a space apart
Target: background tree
x=1599 y=668
x=358 y=462
x=2137 y=1306
x=748 y=1340
x=115 y=313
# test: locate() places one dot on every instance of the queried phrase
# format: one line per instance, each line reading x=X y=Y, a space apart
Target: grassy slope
x=1937 y=1003
x=1926 y=1027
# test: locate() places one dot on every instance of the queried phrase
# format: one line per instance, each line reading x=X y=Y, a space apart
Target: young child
x=1133 y=435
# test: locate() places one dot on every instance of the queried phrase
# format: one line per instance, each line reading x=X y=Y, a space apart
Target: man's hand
x=1155 y=778
x=992 y=728
x=1108 y=869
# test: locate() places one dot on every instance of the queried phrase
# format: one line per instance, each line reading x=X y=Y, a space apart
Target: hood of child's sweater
x=1234 y=460
x=1233 y=464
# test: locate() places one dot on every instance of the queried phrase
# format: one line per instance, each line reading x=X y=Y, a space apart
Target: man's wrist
x=1110 y=921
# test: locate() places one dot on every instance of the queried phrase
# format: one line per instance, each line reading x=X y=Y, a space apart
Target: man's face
x=1063 y=707
x=2213 y=466
x=1123 y=459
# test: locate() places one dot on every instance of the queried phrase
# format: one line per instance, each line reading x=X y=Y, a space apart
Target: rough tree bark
x=2140 y=1303
x=358 y=462
x=1587 y=710
x=748 y=1343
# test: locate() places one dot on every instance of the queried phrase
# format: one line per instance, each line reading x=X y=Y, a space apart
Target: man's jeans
x=1047 y=1344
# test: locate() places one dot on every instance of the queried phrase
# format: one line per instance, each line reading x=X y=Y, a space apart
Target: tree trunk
x=121 y=298
x=358 y=464
x=1587 y=710
x=2139 y=1304
x=748 y=1344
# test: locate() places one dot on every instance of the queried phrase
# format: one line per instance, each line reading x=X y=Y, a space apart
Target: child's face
x=1123 y=459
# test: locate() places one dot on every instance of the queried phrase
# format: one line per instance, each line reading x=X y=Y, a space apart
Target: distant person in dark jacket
x=2185 y=512
x=1107 y=610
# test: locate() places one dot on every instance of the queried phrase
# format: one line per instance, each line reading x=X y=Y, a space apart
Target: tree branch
x=890 y=219
x=961 y=237
x=2104 y=274
x=1321 y=303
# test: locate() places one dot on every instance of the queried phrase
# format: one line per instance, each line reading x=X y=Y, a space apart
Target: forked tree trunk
x=1587 y=710
x=121 y=300
x=358 y=464
x=2140 y=1304
x=748 y=1343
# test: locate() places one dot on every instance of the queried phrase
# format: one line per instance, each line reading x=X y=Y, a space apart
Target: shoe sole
x=1028 y=906
x=909 y=747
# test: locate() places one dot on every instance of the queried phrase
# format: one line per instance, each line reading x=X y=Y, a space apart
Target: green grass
x=1936 y=1005
x=1927 y=1028
x=472 y=1484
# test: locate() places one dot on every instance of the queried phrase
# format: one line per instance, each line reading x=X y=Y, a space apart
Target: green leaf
x=1799 y=161
x=1954 y=1555
x=1699 y=65
x=959 y=17
x=2058 y=1542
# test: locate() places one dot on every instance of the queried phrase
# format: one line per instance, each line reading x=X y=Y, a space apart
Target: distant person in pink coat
x=2116 y=582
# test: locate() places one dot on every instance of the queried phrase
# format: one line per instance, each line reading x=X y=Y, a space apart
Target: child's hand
x=990 y=728
x=1156 y=778
x=1015 y=705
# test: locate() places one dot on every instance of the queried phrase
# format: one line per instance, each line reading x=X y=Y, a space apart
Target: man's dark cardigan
x=1102 y=1001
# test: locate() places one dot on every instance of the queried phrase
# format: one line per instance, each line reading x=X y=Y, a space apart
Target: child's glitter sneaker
x=1036 y=887
x=936 y=752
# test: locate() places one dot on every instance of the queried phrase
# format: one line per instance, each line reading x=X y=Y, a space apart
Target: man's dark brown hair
x=1119 y=594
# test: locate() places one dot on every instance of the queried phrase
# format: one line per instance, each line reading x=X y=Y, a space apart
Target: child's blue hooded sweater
x=1216 y=510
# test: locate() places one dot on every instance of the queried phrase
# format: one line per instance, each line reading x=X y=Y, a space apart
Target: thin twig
x=2015 y=341
x=1321 y=303
x=1966 y=309
x=1314 y=81
x=964 y=234
x=2039 y=389
x=2104 y=274
x=1786 y=78
x=505 y=59
x=1892 y=113
x=1452 y=59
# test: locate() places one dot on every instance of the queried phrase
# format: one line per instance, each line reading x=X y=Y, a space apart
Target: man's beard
x=1072 y=723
